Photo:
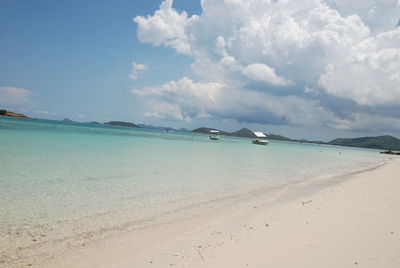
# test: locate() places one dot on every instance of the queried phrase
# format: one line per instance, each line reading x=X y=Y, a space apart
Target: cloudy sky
x=315 y=69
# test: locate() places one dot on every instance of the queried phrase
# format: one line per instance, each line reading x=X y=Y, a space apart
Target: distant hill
x=151 y=127
x=278 y=137
x=206 y=130
x=12 y=114
x=156 y=128
x=244 y=133
x=380 y=142
x=163 y=128
x=66 y=120
x=120 y=123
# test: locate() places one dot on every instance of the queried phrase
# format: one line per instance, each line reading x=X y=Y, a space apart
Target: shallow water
x=62 y=182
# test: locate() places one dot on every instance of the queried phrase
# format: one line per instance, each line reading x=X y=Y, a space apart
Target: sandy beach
x=351 y=223
x=200 y=134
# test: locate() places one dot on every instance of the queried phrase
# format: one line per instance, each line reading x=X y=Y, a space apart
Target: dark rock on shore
x=11 y=114
x=390 y=152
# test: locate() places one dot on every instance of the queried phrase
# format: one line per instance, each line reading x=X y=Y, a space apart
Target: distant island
x=381 y=142
x=206 y=130
x=121 y=123
x=11 y=114
x=244 y=133
x=156 y=128
x=66 y=120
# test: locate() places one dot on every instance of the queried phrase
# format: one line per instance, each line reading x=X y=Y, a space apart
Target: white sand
x=355 y=223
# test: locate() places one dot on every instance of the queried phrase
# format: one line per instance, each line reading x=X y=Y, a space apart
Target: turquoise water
x=62 y=181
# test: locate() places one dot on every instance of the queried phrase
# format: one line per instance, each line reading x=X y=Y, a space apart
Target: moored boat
x=214 y=135
x=260 y=141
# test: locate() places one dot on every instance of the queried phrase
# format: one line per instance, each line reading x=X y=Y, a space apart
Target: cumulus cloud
x=379 y=15
x=167 y=27
x=187 y=100
x=370 y=74
x=182 y=99
x=14 y=96
x=278 y=61
x=360 y=121
x=262 y=72
x=136 y=69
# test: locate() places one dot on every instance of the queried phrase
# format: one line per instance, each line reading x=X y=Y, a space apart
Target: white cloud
x=264 y=73
x=370 y=74
x=187 y=100
x=139 y=66
x=311 y=91
x=13 y=96
x=136 y=69
x=379 y=15
x=167 y=27
x=165 y=110
x=360 y=121
x=182 y=99
x=321 y=49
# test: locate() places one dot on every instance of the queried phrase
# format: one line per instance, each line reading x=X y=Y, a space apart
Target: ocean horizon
x=63 y=184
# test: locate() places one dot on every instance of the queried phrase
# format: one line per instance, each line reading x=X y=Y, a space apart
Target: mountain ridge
x=243 y=133
x=385 y=142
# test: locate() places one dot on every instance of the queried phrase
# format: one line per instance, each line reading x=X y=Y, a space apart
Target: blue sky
x=315 y=70
x=75 y=56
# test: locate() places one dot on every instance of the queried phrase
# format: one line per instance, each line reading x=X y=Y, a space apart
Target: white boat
x=214 y=135
x=260 y=141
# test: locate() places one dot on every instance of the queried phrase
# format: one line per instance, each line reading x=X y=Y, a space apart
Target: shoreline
x=182 y=236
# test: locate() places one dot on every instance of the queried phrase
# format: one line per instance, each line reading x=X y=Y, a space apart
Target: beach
x=81 y=195
x=200 y=134
x=354 y=223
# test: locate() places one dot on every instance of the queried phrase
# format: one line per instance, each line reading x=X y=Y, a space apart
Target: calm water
x=61 y=181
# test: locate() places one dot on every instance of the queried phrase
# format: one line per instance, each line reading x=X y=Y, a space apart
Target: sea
x=62 y=183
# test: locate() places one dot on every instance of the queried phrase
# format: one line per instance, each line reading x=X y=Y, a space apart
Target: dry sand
x=354 y=223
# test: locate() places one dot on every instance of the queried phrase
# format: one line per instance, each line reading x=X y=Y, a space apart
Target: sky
x=313 y=69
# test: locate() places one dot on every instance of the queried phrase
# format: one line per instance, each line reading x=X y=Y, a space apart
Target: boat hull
x=260 y=142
